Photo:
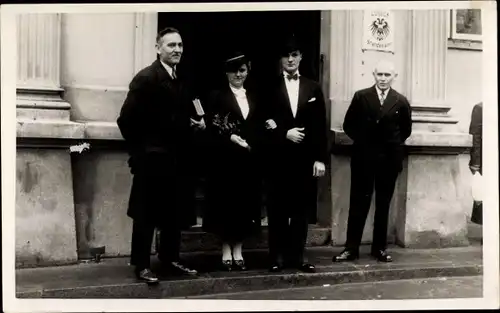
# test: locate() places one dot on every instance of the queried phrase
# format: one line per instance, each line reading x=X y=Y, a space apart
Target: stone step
x=114 y=278
x=195 y=239
x=198 y=240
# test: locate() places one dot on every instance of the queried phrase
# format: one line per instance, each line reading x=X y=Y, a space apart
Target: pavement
x=114 y=278
x=424 y=288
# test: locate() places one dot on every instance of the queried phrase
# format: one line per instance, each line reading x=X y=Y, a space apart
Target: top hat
x=235 y=60
x=290 y=44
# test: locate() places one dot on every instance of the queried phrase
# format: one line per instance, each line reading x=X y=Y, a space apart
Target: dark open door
x=209 y=36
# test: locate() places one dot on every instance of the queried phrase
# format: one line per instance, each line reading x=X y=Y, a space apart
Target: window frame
x=461 y=41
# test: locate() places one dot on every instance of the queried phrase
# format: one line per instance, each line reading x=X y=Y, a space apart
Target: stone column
x=38 y=51
x=45 y=222
x=341 y=64
x=431 y=214
x=39 y=101
x=146 y=27
x=427 y=51
x=38 y=67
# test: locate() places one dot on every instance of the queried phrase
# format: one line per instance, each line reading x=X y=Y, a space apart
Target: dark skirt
x=234 y=193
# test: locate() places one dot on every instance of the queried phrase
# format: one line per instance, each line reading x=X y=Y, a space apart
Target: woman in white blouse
x=234 y=183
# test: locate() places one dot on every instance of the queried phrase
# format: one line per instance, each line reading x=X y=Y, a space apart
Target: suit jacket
x=155 y=124
x=291 y=164
x=476 y=130
x=311 y=114
x=378 y=130
x=154 y=118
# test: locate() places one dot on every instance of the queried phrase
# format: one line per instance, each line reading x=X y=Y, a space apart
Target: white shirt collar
x=237 y=91
x=167 y=67
x=379 y=91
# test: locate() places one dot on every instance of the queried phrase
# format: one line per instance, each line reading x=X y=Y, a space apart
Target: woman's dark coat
x=234 y=182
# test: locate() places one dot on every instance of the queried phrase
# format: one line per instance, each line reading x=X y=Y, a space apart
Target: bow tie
x=294 y=76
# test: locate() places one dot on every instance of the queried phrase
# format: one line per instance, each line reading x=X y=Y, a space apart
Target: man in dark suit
x=158 y=121
x=297 y=155
x=378 y=121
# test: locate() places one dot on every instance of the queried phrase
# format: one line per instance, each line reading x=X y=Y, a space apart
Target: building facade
x=72 y=77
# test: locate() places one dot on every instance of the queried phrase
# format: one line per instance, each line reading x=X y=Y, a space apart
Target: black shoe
x=275 y=268
x=240 y=265
x=382 y=256
x=180 y=268
x=227 y=265
x=147 y=276
x=307 y=268
x=346 y=255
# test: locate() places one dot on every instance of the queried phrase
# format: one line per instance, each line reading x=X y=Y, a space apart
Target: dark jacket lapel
x=163 y=75
x=302 y=96
x=286 y=99
x=251 y=104
x=373 y=99
x=389 y=101
x=232 y=104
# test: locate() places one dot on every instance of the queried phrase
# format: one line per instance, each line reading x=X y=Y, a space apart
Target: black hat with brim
x=235 y=60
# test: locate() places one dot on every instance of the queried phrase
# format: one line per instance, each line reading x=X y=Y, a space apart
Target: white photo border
x=490 y=297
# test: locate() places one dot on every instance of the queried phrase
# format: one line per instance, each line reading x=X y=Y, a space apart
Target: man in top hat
x=158 y=121
x=297 y=157
x=378 y=121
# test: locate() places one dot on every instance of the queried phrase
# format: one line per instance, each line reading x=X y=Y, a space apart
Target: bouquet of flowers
x=225 y=125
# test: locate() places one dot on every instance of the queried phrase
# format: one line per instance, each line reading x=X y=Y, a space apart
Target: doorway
x=209 y=37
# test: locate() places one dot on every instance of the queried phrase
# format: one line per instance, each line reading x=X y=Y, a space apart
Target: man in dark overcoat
x=297 y=157
x=378 y=121
x=476 y=156
x=158 y=122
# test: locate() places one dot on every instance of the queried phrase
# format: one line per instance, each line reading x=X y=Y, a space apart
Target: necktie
x=382 y=97
x=174 y=76
x=294 y=76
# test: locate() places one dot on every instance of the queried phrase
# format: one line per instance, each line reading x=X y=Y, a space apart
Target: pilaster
x=44 y=190
x=146 y=28
x=341 y=64
x=431 y=213
x=426 y=88
x=41 y=111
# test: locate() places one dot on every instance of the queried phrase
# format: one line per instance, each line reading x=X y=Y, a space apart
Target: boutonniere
x=312 y=99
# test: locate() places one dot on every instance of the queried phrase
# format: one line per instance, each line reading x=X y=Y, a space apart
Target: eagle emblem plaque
x=378 y=32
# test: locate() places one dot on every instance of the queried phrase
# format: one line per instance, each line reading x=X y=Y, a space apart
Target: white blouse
x=241 y=98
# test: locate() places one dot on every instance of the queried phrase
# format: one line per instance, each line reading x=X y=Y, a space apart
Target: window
x=465 y=29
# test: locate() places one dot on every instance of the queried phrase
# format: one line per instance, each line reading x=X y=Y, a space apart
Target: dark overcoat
x=155 y=123
x=378 y=130
x=476 y=154
x=234 y=189
x=291 y=165
x=476 y=130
